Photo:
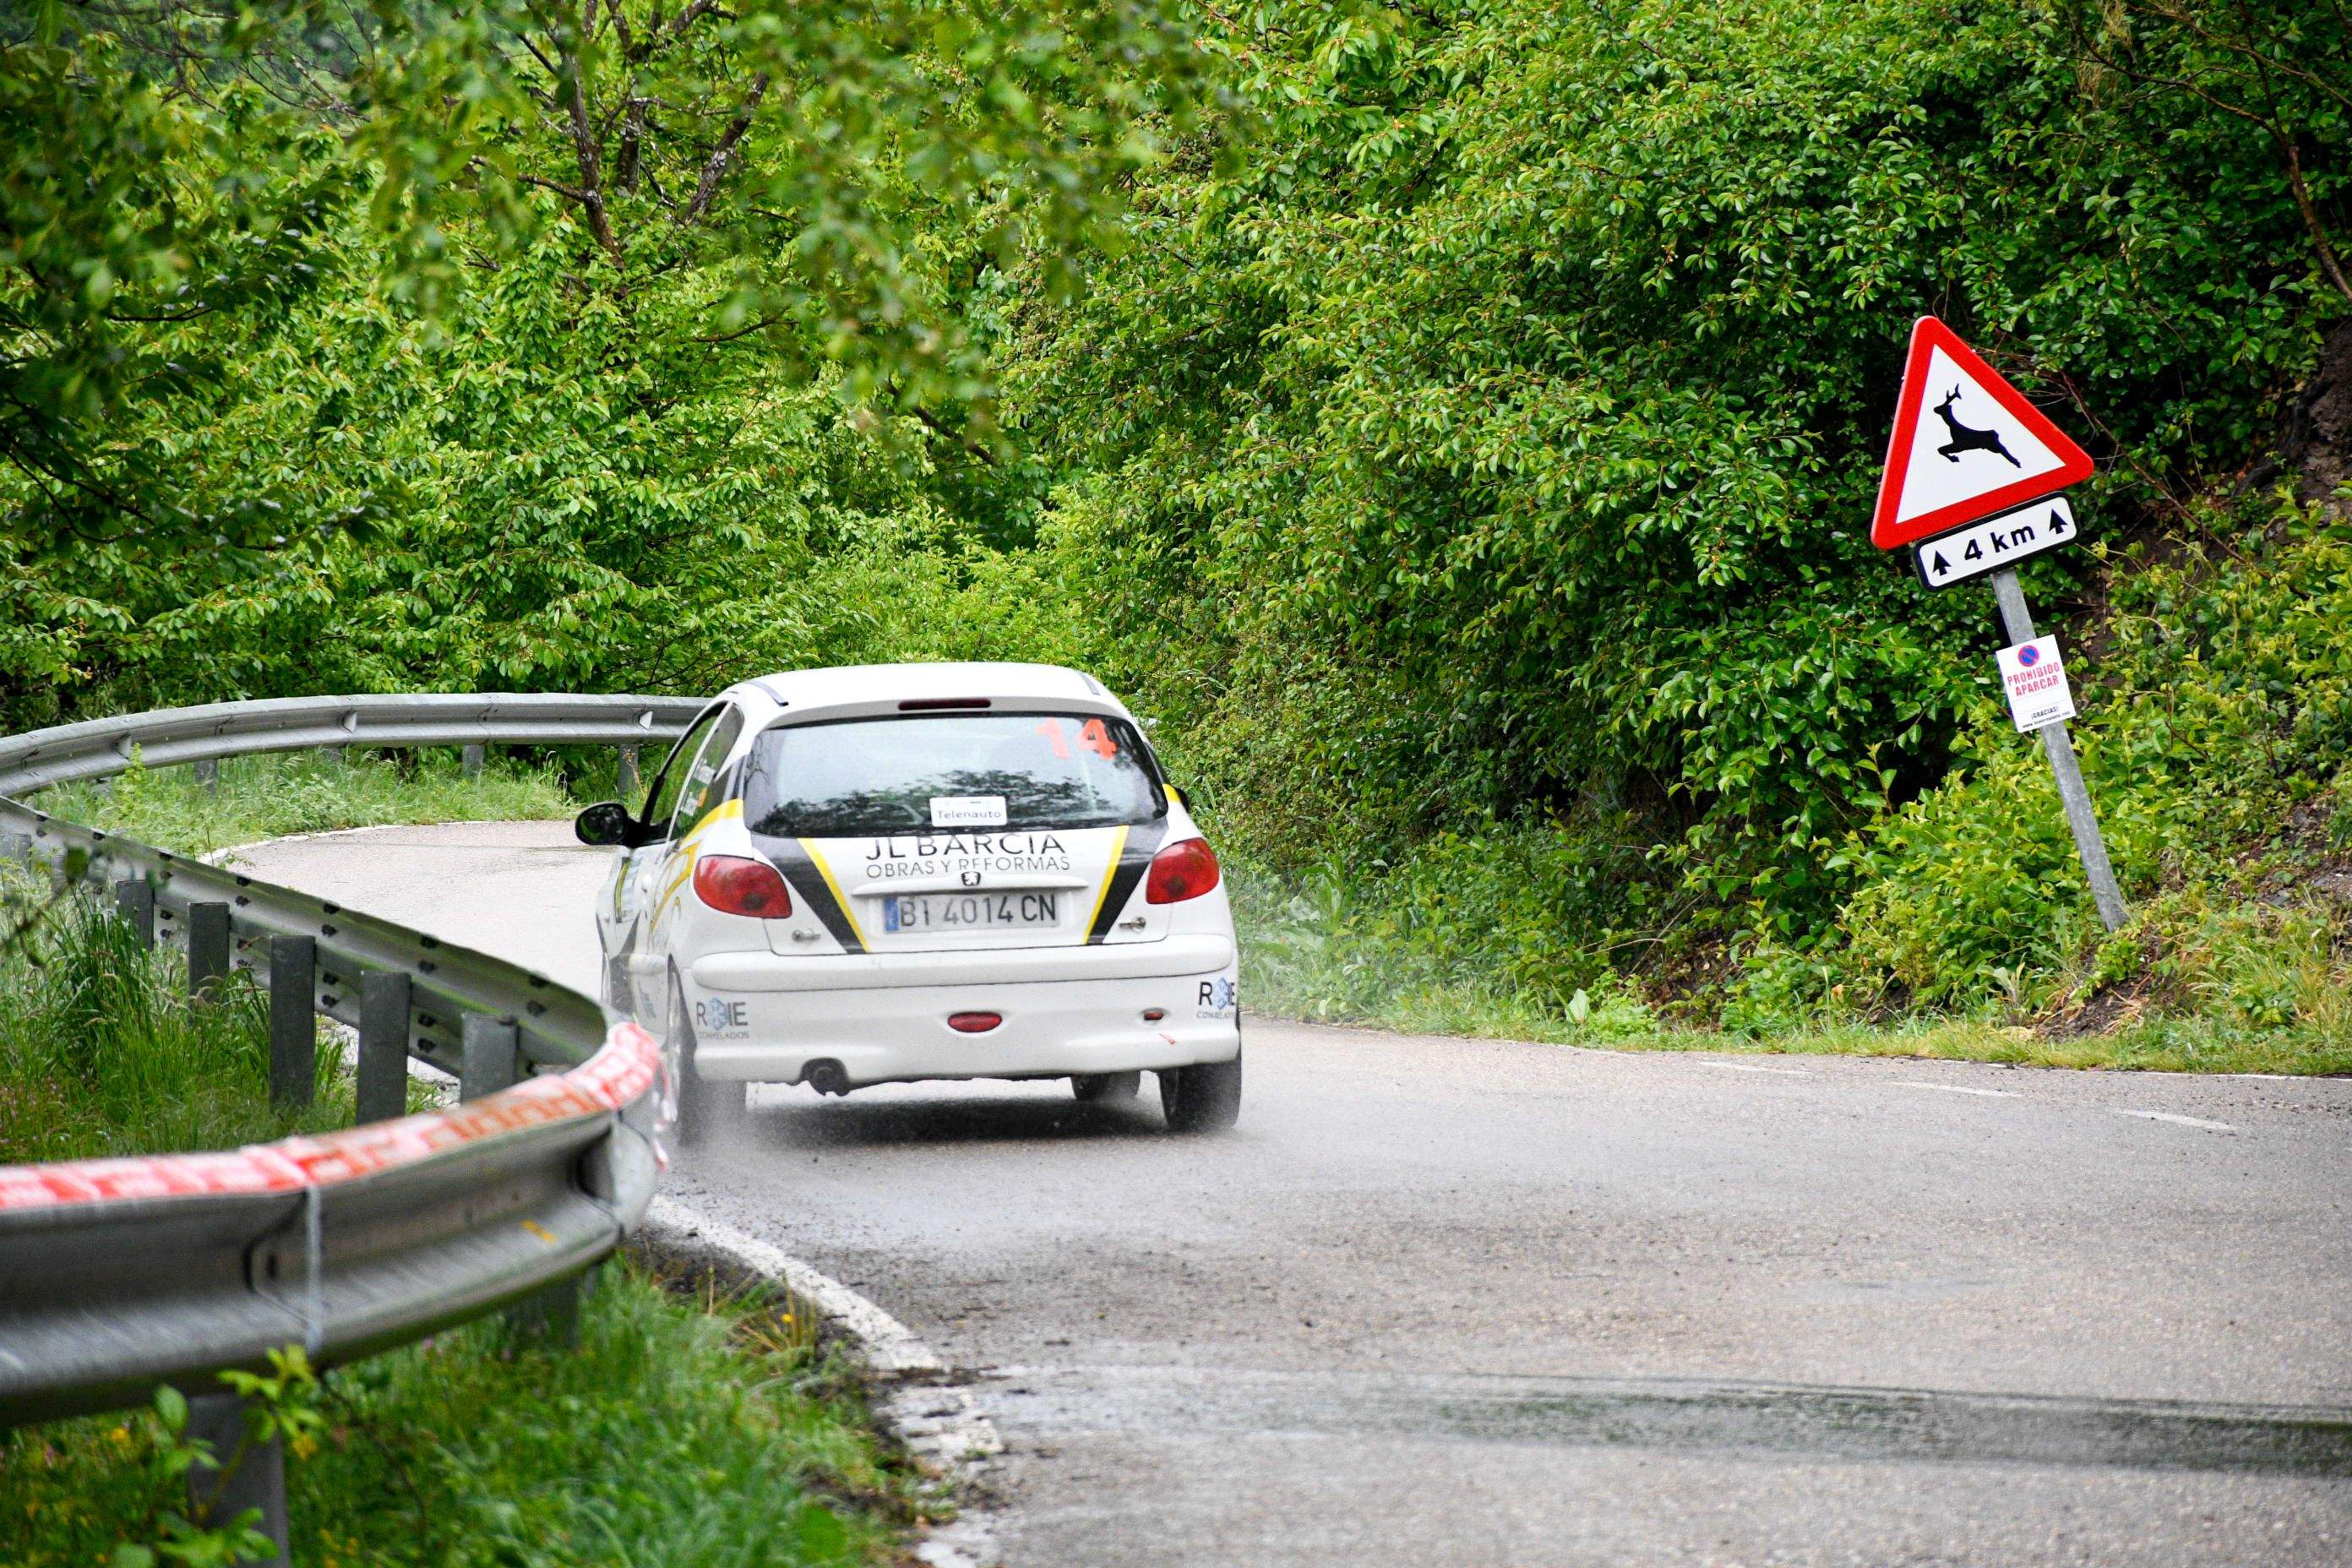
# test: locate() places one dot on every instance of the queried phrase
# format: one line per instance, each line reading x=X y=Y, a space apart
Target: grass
x=680 y=1432
x=102 y=1053
x=276 y=794
x=690 y=1435
x=2271 y=1001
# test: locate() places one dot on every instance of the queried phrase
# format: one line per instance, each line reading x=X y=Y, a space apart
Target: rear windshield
x=958 y=771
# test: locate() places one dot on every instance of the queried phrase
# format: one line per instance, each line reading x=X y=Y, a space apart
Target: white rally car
x=875 y=874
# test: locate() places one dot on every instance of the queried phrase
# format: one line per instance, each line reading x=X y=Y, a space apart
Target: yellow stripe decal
x=729 y=811
x=808 y=848
x=1118 y=849
x=671 y=891
x=691 y=847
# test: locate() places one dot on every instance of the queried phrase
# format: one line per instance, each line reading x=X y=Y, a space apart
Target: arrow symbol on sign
x=1942 y=565
x=2057 y=522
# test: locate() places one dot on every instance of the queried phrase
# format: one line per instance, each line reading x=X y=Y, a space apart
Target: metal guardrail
x=119 y=1275
x=101 y=747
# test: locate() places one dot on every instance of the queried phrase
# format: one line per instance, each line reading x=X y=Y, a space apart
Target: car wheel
x=704 y=1105
x=1100 y=1088
x=1206 y=1098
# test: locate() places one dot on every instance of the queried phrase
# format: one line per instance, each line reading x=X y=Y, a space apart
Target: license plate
x=970 y=912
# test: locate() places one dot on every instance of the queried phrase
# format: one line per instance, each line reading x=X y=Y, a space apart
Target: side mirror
x=607 y=822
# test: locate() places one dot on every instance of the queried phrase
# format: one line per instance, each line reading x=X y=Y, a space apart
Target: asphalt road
x=1465 y=1302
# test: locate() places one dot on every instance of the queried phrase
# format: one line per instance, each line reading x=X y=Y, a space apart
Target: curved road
x=1465 y=1302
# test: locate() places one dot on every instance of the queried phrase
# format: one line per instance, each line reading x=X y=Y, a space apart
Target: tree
x=1493 y=427
x=2282 y=68
x=787 y=192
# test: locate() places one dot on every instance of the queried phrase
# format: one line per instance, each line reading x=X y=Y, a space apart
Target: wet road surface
x=1472 y=1302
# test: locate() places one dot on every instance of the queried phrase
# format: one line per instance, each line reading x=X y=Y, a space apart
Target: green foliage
x=2217 y=716
x=1524 y=378
x=1502 y=930
x=673 y=1434
x=132 y=212
x=575 y=361
x=1461 y=444
x=186 y=1477
x=2217 y=741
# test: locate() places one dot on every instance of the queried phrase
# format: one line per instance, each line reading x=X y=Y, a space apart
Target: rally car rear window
x=969 y=772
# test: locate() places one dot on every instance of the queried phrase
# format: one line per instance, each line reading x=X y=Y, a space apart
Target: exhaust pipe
x=826 y=1076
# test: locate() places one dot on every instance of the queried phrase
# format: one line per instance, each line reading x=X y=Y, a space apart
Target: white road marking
x=2179 y=1120
x=1954 y=1088
x=944 y=1426
x=890 y=1346
x=1747 y=1067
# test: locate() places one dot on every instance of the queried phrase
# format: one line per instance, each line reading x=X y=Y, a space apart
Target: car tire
x=1103 y=1088
x=705 y=1106
x=1206 y=1098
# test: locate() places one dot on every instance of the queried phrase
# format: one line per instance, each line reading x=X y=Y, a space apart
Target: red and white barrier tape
x=615 y=1077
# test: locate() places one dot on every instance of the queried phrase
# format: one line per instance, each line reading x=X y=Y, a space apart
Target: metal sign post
x=2089 y=843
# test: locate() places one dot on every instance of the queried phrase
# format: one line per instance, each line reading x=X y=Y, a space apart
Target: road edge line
x=936 y=1420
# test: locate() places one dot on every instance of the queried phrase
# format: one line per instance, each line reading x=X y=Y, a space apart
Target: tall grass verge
x=275 y=794
x=683 y=1434
x=1378 y=948
x=103 y=1052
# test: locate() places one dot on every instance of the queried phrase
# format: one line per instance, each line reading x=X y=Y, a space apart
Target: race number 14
x=1994 y=542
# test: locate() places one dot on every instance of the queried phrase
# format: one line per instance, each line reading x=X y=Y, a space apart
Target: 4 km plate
x=1995 y=542
x=970 y=912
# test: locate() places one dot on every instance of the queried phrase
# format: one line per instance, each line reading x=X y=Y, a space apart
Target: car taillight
x=734 y=886
x=1181 y=871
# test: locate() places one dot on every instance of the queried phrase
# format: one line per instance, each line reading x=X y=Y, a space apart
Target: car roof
x=882 y=687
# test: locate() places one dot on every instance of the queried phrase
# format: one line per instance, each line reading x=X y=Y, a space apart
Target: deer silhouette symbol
x=1964 y=439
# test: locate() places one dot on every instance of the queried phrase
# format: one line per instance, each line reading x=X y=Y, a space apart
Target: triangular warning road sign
x=1977 y=447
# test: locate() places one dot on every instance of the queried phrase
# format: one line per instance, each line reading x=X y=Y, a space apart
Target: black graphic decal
x=1965 y=438
x=810 y=887
x=1134 y=860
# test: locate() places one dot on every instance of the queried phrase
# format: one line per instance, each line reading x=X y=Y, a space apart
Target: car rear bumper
x=1196 y=952
x=896 y=1032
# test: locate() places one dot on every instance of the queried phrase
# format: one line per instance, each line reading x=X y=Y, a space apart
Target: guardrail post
x=208 y=947
x=258 y=1481
x=134 y=901
x=493 y=1057
x=550 y=1315
x=626 y=786
x=384 y=1046
x=474 y=756
x=493 y=1061
x=293 y=1027
x=208 y=773
x=16 y=849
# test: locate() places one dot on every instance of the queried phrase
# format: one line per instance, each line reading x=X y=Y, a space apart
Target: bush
x=1502 y=930
x=2217 y=702
x=674 y=1435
